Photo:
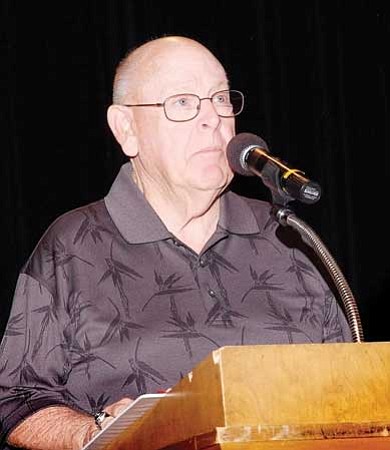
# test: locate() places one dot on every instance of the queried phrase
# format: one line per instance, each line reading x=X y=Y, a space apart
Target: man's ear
x=121 y=123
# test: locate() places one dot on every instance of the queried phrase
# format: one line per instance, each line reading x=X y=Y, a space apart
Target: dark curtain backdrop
x=316 y=75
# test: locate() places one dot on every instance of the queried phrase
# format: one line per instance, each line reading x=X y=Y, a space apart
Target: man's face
x=189 y=155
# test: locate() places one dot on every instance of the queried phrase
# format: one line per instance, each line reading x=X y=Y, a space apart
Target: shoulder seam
x=39 y=280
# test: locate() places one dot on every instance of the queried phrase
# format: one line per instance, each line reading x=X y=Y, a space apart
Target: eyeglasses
x=184 y=107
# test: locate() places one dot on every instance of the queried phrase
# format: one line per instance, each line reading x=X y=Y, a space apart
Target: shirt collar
x=236 y=215
x=138 y=223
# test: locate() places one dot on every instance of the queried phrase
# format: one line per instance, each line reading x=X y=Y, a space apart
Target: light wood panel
x=307 y=396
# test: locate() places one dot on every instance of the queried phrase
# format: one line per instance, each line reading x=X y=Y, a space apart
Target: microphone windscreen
x=237 y=146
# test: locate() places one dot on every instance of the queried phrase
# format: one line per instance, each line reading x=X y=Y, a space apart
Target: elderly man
x=126 y=295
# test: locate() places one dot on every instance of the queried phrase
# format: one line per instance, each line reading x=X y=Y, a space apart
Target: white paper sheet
x=124 y=420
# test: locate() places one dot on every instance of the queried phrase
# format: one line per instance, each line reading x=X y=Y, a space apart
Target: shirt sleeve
x=33 y=364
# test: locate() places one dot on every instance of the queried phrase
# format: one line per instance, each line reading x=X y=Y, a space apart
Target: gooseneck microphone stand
x=286 y=217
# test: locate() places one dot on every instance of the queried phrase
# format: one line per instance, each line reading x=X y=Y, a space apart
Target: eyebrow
x=183 y=89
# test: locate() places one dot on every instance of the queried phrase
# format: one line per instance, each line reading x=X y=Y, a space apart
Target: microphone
x=248 y=155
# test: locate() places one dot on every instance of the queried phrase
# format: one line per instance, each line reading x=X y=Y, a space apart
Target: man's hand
x=60 y=428
x=114 y=410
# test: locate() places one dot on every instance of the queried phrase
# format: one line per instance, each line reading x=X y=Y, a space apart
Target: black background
x=316 y=75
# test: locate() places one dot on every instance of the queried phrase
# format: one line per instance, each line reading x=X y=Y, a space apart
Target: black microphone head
x=236 y=149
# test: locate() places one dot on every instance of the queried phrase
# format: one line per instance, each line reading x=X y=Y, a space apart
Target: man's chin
x=214 y=180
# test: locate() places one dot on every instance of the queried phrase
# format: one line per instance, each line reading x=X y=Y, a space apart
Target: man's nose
x=208 y=114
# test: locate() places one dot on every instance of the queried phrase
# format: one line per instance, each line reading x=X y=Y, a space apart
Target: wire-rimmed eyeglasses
x=184 y=107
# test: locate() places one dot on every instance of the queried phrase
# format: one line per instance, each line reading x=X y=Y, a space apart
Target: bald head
x=144 y=64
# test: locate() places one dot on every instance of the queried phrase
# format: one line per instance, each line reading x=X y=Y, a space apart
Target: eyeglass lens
x=186 y=106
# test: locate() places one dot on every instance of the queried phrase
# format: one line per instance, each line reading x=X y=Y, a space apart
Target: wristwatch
x=99 y=417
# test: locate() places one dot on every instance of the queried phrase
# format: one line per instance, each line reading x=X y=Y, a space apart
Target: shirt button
x=211 y=292
x=177 y=243
x=202 y=262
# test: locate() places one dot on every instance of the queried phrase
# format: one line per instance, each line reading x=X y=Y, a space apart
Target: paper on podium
x=124 y=420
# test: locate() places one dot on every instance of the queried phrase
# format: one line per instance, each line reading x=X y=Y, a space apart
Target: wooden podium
x=301 y=397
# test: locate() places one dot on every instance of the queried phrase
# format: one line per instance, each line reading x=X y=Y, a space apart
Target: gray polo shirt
x=111 y=304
